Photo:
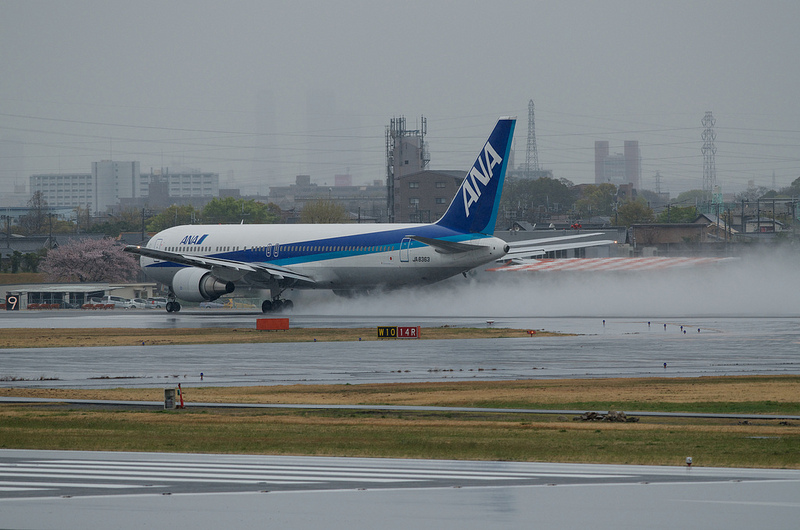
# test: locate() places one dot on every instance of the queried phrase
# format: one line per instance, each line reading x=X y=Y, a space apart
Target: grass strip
x=46 y=338
x=728 y=394
x=405 y=435
x=445 y=435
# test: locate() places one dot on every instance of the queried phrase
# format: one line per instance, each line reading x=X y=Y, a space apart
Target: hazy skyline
x=261 y=92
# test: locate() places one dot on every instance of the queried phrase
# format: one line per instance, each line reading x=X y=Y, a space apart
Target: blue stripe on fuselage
x=390 y=238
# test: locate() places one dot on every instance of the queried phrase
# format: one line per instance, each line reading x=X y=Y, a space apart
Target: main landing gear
x=173 y=306
x=276 y=306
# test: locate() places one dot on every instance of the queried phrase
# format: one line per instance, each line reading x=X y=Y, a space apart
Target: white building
x=111 y=183
x=67 y=189
x=114 y=181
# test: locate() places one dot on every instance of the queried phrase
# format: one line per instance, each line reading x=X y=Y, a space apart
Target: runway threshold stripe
x=51 y=485
x=165 y=478
x=304 y=473
x=307 y=469
x=281 y=468
x=288 y=470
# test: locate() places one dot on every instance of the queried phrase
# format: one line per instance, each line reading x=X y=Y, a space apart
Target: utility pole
x=744 y=226
x=143 y=214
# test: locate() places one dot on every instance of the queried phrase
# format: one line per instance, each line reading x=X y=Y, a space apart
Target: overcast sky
x=262 y=91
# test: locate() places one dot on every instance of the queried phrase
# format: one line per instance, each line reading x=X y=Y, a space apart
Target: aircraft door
x=405 y=244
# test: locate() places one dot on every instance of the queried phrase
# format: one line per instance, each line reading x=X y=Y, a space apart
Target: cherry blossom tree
x=90 y=260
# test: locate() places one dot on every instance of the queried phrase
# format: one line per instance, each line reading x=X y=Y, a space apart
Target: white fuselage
x=338 y=257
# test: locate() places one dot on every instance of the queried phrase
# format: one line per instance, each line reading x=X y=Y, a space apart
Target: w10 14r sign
x=398 y=332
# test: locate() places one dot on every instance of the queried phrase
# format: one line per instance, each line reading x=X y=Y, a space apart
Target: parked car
x=138 y=303
x=156 y=303
x=117 y=301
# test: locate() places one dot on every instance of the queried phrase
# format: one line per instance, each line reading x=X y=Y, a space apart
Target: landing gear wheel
x=266 y=306
x=288 y=305
x=173 y=307
x=277 y=305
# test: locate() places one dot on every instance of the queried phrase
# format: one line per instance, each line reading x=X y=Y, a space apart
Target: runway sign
x=398 y=332
x=12 y=302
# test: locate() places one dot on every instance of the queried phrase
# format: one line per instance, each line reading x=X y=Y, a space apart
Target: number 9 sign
x=12 y=302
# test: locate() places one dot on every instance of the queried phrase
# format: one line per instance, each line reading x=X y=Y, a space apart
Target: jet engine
x=197 y=285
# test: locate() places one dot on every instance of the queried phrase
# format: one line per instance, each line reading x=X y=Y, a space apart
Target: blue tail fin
x=474 y=208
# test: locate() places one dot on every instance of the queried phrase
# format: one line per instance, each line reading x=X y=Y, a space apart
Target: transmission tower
x=531 y=154
x=709 y=169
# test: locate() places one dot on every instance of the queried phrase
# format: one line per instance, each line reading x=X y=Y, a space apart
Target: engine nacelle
x=198 y=285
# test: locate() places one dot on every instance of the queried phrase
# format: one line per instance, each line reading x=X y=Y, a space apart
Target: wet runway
x=621 y=347
x=44 y=489
x=57 y=489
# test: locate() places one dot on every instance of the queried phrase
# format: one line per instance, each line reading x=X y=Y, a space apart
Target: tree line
x=536 y=200
x=229 y=210
x=95 y=260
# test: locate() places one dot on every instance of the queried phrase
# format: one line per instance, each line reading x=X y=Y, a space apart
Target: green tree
x=692 y=196
x=173 y=216
x=597 y=200
x=129 y=220
x=16 y=260
x=230 y=210
x=677 y=214
x=794 y=188
x=324 y=211
x=30 y=262
x=35 y=221
x=525 y=197
x=634 y=212
x=752 y=193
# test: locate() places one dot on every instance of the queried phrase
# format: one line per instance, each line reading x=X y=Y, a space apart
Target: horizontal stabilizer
x=516 y=254
x=541 y=246
x=594 y=265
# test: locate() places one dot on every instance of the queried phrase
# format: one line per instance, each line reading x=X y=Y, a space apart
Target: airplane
x=203 y=262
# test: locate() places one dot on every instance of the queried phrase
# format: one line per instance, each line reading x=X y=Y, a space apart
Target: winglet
x=474 y=208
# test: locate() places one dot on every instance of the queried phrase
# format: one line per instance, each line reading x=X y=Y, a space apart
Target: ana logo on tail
x=471 y=190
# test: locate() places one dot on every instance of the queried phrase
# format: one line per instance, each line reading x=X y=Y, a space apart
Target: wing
x=225 y=269
x=446 y=247
x=540 y=247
